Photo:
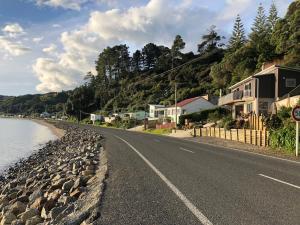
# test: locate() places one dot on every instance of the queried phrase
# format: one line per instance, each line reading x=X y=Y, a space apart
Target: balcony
x=231 y=98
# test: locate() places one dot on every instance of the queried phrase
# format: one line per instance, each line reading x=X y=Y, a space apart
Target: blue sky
x=49 y=45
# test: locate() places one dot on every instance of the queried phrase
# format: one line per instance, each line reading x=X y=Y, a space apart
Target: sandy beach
x=56 y=131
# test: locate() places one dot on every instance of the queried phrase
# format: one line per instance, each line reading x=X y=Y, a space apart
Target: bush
x=204 y=115
x=273 y=122
x=284 y=113
x=284 y=137
x=229 y=123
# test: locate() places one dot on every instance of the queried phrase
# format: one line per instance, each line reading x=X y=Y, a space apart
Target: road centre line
x=184 y=149
x=280 y=181
x=197 y=213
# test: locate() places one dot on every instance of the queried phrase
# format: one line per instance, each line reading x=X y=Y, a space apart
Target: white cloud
x=158 y=21
x=53 y=76
x=56 y=25
x=37 y=39
x=51 y=50
x=11 y=47
x=67 y=4
x=234 y=7
x=13 y=29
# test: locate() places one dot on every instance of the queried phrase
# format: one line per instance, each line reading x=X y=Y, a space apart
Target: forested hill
x=128 y=82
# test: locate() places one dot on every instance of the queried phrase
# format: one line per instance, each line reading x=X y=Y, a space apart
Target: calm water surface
x=19 y=138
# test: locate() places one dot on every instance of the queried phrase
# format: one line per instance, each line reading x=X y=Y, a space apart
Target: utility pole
x=175 y=106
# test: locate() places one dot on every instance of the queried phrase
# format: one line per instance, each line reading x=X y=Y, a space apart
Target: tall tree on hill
x=151 y=54
x=136 y=61
x=210 y=41
x=238 y=37
x=260 y=25
x=177 y=46
x=273 y=16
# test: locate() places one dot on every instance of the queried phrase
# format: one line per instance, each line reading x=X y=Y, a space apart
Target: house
x=186 y=106
x=257 y=93
x=45 y=115
x=95 y=117
x=138 y=115
x=156 y=111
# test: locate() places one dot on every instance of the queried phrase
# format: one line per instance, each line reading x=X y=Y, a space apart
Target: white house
x=188 y=106
x=156 y=111
x=95 y=117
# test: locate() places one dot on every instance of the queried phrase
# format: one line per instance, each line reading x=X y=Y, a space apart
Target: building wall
x=282 y=76
x=288 y=102
x=267 y=86
x=195 y=106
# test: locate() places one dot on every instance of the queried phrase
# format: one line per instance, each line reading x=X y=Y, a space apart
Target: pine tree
x=260 y=25
x=238 y=37
x=273 y=16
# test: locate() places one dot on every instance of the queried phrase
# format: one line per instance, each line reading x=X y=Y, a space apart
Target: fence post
x=230 y=134
x=200 y=129
x=195 y=132
x=210 y=131
x=206 y=131
x=219 y=132
x=237 y=134
x=245 y=139
x=260 y=139
x=224 y=133
x=265 y=138
x=214 y=132
x=250 y=136
x=255 y=137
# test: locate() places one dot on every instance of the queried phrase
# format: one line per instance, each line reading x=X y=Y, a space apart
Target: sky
x=50 y=45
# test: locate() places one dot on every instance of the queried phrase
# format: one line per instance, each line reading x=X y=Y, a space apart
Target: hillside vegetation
x=128 y=82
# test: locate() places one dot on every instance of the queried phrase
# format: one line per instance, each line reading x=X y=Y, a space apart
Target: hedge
x=202 y=115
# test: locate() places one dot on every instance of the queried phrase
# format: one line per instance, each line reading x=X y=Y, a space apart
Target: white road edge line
x=240 y=150
x=200 y=216
x=184 y=149
x=280 y=181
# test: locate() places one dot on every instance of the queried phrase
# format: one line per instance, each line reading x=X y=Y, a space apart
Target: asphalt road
x=156 y=180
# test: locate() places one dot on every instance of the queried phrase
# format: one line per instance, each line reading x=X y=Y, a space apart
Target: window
x=249 y=107
x=290 y=82
x=247 y=92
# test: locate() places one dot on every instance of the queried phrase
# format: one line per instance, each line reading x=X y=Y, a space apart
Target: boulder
x=34 y=220
x=8 y=218
x=17 y=208
x=28 y=214
x=67 y=185
x=38 y=203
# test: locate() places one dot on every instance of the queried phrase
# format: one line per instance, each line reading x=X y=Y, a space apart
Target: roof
x=188 y=101
x=267 y=71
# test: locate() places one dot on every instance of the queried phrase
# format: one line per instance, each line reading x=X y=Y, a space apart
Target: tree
x=273 y=16
x=238 y=37
x=137 y=61
x=260 y=25
x=210 y=41
x=150 y=55
x=178 y=45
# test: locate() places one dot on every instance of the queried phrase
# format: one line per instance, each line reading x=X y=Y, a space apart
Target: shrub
x=273 y=122
x=284 y=137
x=284 y=112
x=203 y=115
x=229 y=123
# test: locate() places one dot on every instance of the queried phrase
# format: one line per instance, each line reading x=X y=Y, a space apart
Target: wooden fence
x=256 y=122
x=255 y=137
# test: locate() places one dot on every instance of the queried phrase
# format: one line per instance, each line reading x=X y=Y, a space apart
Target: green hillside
x=127 y=81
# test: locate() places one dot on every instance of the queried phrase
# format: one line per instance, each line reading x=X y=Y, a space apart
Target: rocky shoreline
x=62 y=183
